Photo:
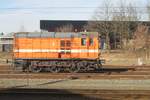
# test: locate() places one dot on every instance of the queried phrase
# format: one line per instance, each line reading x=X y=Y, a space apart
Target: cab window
x=83 y=41
x=62 y=43
x=68 y=43
x=91 y=41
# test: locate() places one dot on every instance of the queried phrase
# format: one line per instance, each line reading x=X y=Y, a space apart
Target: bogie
x=56 y=66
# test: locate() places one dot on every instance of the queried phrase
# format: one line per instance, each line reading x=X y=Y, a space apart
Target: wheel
x=82 y=65
x=36 y=69
x=54 y=69
x=74 y=69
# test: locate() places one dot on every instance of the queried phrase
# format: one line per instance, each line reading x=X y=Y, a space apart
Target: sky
x=18 y=14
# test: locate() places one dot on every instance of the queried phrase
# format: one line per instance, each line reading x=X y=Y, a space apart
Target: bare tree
x=120 y=24
x=116 y=20
x=141 y=45
x=148 y=9
x=148 y=37
x=140 y=36
x=123 y=16
x=102 y=22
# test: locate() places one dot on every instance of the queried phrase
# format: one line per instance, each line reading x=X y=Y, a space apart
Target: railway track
x=111 y=72
x=74 y=94
x=72 y=76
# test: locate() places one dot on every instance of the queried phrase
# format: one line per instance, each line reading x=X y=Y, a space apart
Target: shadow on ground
x=44 y=94
x=64 y=94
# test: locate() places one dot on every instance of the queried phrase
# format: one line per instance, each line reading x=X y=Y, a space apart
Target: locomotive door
x=84 y=47
x=87 y=46
x=65 y=46
x=91 y=47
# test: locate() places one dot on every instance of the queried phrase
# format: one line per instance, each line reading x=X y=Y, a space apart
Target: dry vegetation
x=4 y=56
x=119 y=57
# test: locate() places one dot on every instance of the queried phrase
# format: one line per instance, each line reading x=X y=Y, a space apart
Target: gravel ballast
x=112 y=84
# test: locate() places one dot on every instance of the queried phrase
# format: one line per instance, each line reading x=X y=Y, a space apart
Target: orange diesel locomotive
x=57 y=52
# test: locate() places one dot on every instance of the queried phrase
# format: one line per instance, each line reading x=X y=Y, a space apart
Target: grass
x=4 y=56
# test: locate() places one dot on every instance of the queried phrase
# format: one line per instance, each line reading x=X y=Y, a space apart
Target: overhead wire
x=79 y=9
x=64 y=7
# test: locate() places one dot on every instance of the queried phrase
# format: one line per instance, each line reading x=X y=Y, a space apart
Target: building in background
x=119 y=31
x=6 y=42
x=55 y=25
x=73 y=26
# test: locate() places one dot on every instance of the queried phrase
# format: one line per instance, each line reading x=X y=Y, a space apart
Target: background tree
x=102 y=23
x=148 y=37
x=141 y=41
x=124 y=16
x=114 y=20
x=148 y=9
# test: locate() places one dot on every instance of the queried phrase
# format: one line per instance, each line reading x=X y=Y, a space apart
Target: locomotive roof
x=54 y=34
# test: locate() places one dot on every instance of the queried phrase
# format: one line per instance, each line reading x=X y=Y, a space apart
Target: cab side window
x=62 y=43
x=91 y=41
x=68 y=43
x=83 y=41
